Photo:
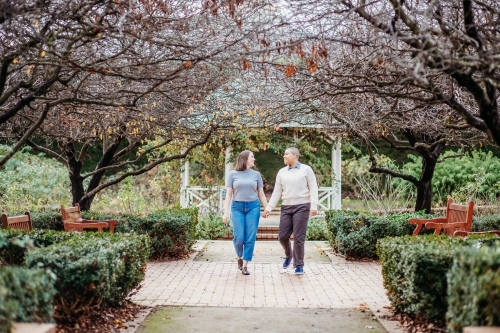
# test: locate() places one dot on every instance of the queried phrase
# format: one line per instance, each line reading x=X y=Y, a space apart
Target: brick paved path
x=334 y=283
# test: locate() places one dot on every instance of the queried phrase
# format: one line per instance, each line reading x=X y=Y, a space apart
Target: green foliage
x=171 y=232
x=474 y=176
x=474 y=286
x=137 y=195
x=32 y=182
x=211 y=226
x=317 y=229
x=49 y=220
x=355 y=234
x=26 y=295
x=92 y=269
x=486 y=222
x=414 y=271
x=13 y=246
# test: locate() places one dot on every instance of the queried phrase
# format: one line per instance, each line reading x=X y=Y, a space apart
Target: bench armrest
x=111 y=223
x=432 y=225
x=415 y=220
x=421 y=222
x=80 y=226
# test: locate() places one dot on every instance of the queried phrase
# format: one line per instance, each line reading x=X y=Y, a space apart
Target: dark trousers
x=294 y=220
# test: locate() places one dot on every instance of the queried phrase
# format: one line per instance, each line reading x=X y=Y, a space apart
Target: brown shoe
x=240 y=264
x=244 y=271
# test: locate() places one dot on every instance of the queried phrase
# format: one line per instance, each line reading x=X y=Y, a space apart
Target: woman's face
x=250 y=161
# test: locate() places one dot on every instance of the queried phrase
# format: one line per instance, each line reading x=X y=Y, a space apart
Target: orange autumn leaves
x=310 y=60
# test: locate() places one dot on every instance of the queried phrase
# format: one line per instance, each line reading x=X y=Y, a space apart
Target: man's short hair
x=294 y=151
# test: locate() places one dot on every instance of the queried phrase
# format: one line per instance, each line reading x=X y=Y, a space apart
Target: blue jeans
x=245 y=216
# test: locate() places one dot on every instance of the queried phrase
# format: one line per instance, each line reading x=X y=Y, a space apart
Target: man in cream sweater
x=297 y=187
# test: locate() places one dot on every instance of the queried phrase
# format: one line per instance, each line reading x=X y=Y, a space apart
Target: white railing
x=212 y=198
x=326 y=198
x=205 y=198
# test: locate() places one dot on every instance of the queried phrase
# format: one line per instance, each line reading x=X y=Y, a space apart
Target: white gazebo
x=212 y=198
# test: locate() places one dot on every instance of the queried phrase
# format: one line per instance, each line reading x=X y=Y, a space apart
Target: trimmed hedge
x=415 y=268
x=486 y=222
x=48 y=220
x=354 y=234
x=18 y=241
x=172 y=232
x=93 y=269
x=474 y=288
x=26 y=295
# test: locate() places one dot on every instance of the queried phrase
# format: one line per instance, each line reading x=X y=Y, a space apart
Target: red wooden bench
x=20 y=222
x=458 y=218
x=73 y=221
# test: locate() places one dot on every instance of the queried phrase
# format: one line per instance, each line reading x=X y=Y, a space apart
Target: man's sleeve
x=278 y=188
x=313 y=188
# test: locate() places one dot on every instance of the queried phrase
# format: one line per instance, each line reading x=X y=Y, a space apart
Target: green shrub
x=211 y=226
x=92 y=269
x=474 y=286
x=355 y=234
x=171 y=232
x=316 y=229
x=414 y=271
x=18 y=241
x=473 y=176
x=25 y=296
x=486 y=222
x=32 y=181
x=48 y=220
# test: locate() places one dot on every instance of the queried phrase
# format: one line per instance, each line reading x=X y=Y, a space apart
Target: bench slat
x=19 y=218
x=462 y=208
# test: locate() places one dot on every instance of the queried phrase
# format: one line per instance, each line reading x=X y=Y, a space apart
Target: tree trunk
x=430 y=152
x=424 y=197
x=424 y=185
x=75 y=168
x=107 y=159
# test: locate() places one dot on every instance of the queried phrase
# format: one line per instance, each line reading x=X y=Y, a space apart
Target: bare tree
x=111 y=74
x=327 y=86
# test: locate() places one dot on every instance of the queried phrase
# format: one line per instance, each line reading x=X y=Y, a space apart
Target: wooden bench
x=73 y=221
x=458 y=218
x=20 y=222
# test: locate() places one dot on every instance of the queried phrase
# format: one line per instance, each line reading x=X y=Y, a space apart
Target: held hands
x=265 y=214
x=313 y=213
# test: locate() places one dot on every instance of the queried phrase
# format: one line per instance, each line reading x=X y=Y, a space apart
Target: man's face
x=289 y=158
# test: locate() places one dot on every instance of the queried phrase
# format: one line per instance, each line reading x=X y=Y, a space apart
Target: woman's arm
x=229 y=196
x=262 y=197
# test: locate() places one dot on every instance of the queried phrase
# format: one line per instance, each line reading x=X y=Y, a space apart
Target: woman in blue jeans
x=244 y=187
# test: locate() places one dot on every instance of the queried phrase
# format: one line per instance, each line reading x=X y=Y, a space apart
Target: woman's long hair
x=241 y=161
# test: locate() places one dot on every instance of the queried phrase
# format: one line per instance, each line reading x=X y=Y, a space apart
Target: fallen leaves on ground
x=108 y=320
x=416 y=325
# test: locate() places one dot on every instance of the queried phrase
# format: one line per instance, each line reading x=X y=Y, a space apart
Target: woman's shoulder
x=255 y=172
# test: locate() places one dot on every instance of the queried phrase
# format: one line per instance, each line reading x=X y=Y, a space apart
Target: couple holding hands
x=295 y=185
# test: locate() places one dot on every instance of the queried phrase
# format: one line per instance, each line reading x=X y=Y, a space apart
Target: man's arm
x=313 y=190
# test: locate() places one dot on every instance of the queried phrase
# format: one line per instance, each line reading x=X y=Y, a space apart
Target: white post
x=229 y=166
x=337 y=170
x=185 y=184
